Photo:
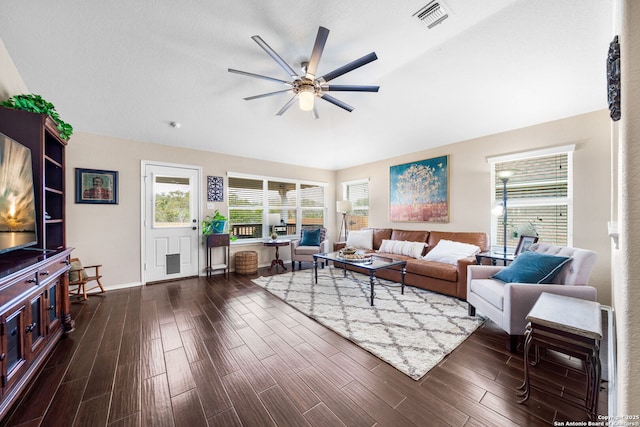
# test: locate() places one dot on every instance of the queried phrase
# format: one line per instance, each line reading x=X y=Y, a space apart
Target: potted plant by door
x=214 y=224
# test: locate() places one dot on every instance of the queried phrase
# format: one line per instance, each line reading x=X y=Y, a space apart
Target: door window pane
x=172 y=202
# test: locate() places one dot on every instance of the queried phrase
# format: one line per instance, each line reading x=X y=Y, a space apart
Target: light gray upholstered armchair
x=508 y=304
x=305 y=253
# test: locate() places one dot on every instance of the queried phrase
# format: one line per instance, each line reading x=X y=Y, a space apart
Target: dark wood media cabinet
x=34 y=284
x=34 y=314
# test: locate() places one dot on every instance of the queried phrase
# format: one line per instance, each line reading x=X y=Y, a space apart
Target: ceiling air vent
x=432 y=14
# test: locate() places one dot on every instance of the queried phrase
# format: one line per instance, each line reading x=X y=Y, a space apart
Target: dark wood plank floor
x=223 y=352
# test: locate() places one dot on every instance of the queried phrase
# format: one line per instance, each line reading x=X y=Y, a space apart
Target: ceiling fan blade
x=349 y=67
x=315 y=111
x=337 y=102
x=287 y=105
x=264 y=95
x=259 y=76
x=350 y=88
x=318 y=47
x=272 y=53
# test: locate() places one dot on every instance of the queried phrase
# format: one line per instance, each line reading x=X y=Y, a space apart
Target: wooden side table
x=277 y=244
x=218 y=241
x=571 y=326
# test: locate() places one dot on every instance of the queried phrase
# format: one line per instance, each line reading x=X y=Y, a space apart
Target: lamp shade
x=274 y=219
x=343 y=206
x=506 y=174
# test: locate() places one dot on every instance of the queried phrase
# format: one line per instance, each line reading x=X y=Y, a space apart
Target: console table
x=220 y=240
x=571 y=326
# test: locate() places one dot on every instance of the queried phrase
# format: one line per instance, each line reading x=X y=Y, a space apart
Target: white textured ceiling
x=128 y=68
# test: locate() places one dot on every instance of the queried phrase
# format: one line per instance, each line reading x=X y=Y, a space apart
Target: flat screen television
x=17 y=200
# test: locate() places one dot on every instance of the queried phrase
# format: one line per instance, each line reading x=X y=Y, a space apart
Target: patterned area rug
x=411 y=332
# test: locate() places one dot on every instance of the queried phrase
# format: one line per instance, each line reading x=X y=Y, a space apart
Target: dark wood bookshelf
x=34 y=284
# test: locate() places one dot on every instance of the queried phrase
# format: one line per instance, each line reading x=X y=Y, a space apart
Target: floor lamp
x=343 y=207
x=504 y=176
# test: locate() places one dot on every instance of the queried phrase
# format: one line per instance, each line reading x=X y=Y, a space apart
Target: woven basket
x=246 y=262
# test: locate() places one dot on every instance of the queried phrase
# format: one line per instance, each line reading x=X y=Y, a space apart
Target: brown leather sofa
x=434 y=276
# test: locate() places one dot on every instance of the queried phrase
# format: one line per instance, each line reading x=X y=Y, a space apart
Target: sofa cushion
x=450 y=252
x=436 y=270
x=410 y=235
x=490 y=290
x=479 y=239
x=360 y=239
x=379 y=234
x=532 y=267
x=306 y=250
x=411 y=249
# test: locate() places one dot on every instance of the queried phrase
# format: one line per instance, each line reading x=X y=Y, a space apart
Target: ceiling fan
x=307 y=87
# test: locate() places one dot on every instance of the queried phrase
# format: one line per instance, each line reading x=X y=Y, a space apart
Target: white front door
x=171 y=221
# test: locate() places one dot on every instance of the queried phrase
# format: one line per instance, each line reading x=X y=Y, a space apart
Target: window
x=539 y=196
x=246 y=207
x=357 y=192
x=259 y=206
x=172 y=203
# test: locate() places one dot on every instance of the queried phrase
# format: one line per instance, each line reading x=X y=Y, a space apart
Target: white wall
x=470 y=182
x=627 y=285
x=10 y=81
x=111 y=234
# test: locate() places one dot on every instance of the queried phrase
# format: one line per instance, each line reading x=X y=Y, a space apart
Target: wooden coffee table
x=376 y=263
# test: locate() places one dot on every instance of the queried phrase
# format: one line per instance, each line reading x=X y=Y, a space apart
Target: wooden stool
x=246 y=262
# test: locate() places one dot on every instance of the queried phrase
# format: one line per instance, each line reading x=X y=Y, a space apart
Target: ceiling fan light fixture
x=307 y=98
x=307 y=87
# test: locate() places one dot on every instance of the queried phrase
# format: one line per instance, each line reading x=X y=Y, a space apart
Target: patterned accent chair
x=305 y=253
x=507 y=304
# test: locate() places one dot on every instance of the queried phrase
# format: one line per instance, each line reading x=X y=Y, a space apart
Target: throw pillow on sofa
x=532 y=267
x=402 y=247
x=449 y=252
x=360 y=239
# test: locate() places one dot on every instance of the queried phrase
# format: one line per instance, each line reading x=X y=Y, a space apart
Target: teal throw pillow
x=310 y=237
x=532 y=267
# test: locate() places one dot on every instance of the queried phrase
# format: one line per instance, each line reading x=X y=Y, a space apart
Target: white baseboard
x=116 y=287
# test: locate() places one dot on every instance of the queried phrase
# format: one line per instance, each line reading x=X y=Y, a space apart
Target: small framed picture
x=524 y=243
x=96 y=186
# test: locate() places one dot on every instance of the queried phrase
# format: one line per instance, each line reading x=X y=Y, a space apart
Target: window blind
x=358 y=194
x=246 y=207
x=258 y=204
x=311 y=205
x=538 y=199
